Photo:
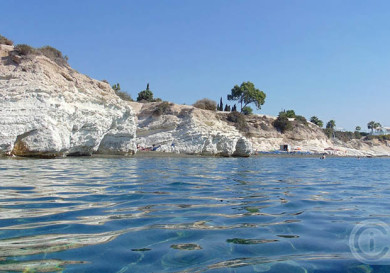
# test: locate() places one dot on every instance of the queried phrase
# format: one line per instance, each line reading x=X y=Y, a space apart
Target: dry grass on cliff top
x=5 y=41
x=50 y=52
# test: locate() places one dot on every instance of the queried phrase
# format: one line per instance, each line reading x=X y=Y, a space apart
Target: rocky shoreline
x=48 y=109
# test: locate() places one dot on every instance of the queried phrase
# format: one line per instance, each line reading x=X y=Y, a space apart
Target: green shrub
x=384 y=137
x=290 y=114
x=123 y=95
x=206 y=104
x=162 y=109
x=328 y=132
x=380 y=137
x=301 y=119
x=239 y=121
x=331 y=124
x=235 y=117
x=145 y=95
x=344 y=136
x=5 y=41
x=282 y=123
x=116 y=87
x=317 y=121
x=25 y=50
x=247 y=110
x=50 y=52
x=357 y=134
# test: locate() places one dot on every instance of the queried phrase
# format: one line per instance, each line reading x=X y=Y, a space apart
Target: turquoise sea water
x=196 y=214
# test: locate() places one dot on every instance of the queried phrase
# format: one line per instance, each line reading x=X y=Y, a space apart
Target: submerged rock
x=186 y=246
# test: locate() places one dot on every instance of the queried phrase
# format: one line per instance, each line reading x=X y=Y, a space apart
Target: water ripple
x=186 y=214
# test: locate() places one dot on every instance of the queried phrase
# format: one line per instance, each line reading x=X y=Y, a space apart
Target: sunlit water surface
x=258 y=214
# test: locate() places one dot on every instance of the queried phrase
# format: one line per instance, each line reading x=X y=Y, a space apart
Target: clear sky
x=326 y=58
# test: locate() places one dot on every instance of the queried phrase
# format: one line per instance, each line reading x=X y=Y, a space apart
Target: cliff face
x=306 y=138
x=310 y=138
x=185 y=129
x=51 y=110
x=47 y=109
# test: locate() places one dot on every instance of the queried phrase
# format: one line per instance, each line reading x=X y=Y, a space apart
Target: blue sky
x=325 y=58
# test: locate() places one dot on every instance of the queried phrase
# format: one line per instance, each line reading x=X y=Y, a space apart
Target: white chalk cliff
x=50 y=110
x=185 y=129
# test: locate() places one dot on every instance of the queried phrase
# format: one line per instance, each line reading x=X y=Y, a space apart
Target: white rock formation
x=185 y=129
x=48 y=110
x=51 y=110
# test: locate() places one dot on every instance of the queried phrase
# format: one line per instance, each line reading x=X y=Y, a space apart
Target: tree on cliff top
x=246 y=93
x=290 y=114
x=145 y=95
x=372 y=125
x=316 y=121
x=331 y=124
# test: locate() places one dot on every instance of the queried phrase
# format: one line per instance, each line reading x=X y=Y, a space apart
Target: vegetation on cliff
x=239 y=121
x=206 y=104
x=246 y=94
x=163 y=108
x=373 y=125
x=5 y=41
x=147 y=96
x=123 y=95
x=382 y=138
x=50 y=52
x=246 y=110
x=284 y=124
x=317 y=121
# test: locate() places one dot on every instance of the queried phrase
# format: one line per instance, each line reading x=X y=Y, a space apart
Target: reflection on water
x=187 y=214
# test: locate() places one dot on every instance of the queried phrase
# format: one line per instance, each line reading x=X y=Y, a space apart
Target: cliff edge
x=168 y=127
x=48 y=109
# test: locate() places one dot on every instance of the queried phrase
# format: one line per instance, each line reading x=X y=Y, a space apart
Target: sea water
x=195 y=214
